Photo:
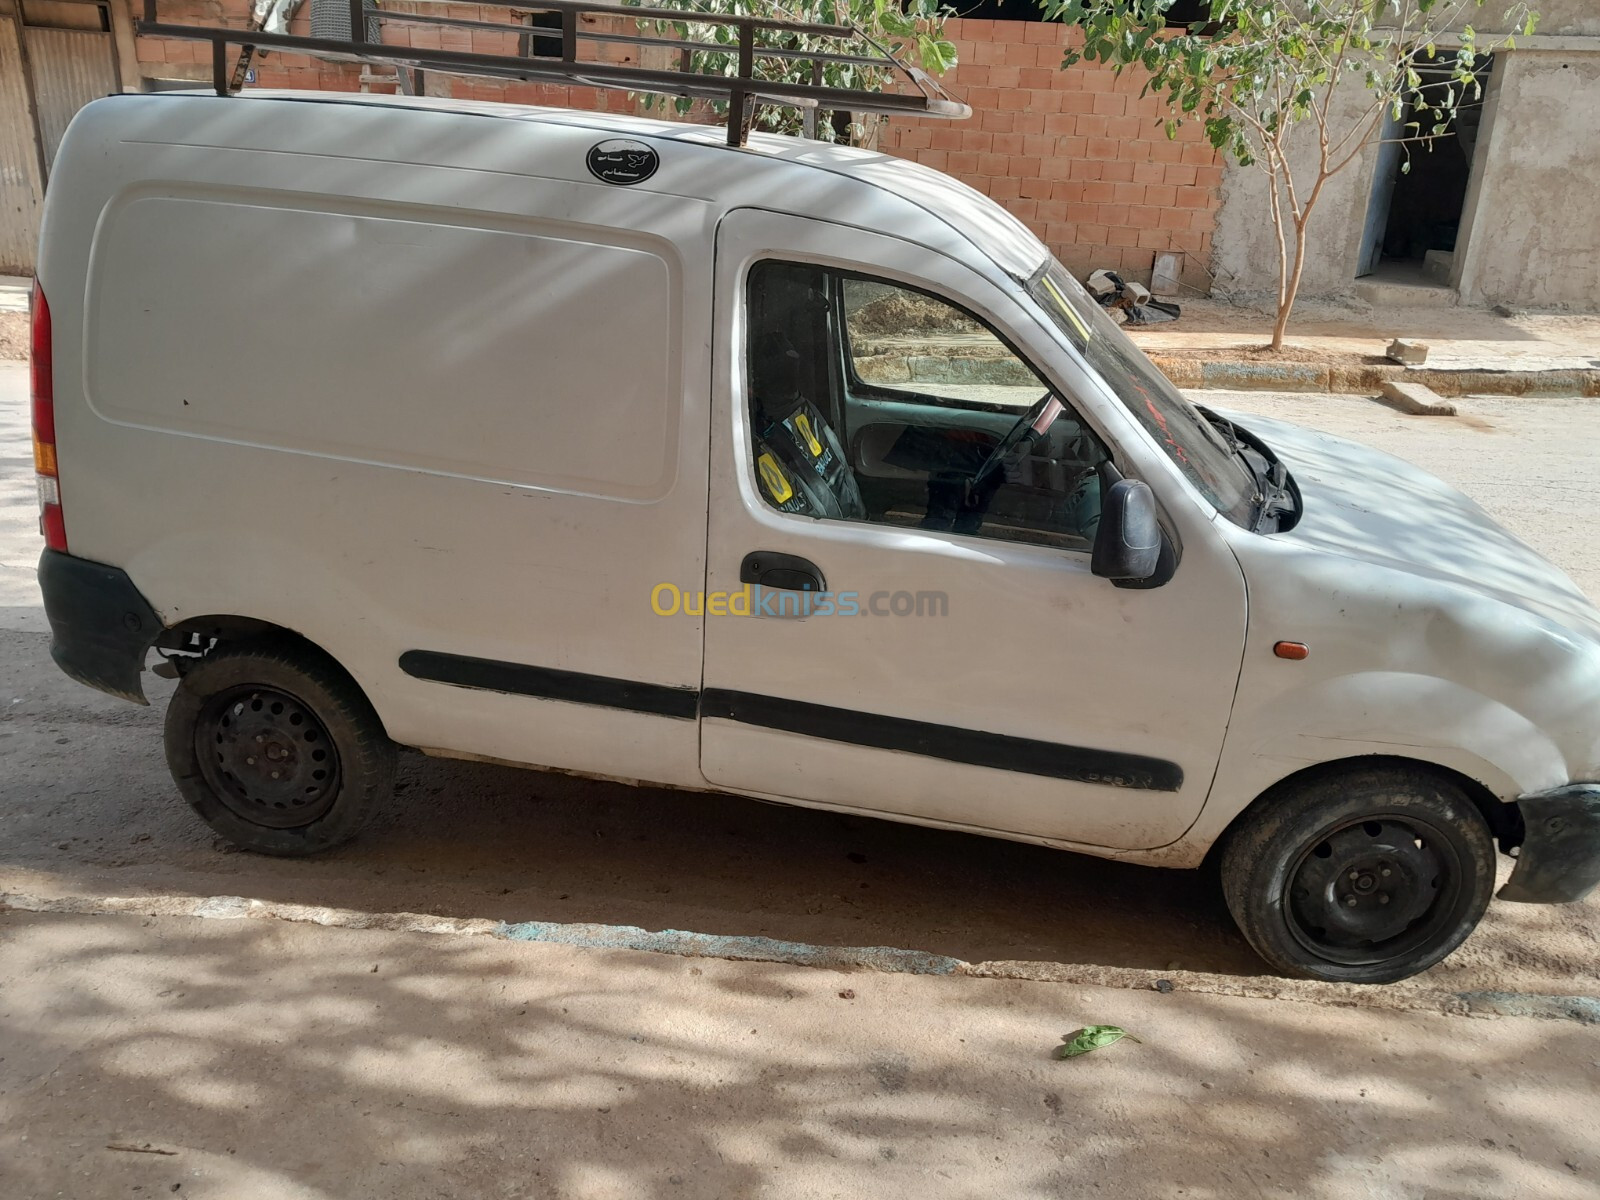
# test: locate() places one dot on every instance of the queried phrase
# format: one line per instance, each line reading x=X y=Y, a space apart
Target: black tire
x=277 y=749
x=1367 y=876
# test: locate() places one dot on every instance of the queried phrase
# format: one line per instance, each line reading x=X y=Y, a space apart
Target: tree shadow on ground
x=288 y=1061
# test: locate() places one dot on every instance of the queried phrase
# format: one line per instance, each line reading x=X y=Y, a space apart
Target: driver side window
x=871 y=401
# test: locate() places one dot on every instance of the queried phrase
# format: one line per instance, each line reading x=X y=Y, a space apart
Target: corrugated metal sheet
x=70 y=68
x=21 y=189
x=331 y=19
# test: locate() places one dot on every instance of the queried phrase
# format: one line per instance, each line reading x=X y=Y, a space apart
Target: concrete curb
x=1396 y=997
x=1271 y=377
x=739 y=949
x=1193 y=373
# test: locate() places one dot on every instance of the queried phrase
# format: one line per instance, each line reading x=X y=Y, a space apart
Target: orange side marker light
x=1294 y=651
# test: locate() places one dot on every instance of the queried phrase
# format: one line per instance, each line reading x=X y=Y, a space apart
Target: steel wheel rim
x=266 y=757
x=1374 y=890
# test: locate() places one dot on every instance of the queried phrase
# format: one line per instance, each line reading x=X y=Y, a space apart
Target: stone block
x=1417 y=399
x=1407 y=352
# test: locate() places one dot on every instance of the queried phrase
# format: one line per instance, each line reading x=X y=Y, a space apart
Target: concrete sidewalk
x=1460 y=339
x=1330 y=348
x=15 y=294
x=1216 y=346
x=275 y=1061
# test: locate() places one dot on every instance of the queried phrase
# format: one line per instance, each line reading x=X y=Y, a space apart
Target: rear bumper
x=1560 y=857
x=101 y=627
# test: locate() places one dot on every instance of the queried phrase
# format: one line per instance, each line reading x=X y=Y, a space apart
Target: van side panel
x=533 y=355
x=398 y=407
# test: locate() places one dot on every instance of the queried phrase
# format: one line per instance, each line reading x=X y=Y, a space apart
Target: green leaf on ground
x=1091 y=1037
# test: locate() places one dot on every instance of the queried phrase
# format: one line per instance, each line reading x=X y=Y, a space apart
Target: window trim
x=857 y=384
x=1114 y=452
x=750 y=487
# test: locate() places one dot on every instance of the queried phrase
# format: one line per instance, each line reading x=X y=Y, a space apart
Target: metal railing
x=567 y=64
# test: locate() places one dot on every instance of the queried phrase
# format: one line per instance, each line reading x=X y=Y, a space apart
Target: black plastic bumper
x=101 y=626
x=1560 y=857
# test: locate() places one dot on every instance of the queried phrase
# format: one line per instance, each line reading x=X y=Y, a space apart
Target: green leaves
x=937 y=55
x=1090 y=1038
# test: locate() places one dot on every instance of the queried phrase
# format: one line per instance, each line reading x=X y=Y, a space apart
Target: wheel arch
x=199 y=636
x=1503 y=819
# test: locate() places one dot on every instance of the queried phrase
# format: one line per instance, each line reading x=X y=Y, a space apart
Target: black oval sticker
x=622 y=160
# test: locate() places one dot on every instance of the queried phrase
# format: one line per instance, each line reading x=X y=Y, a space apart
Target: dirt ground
x=14 y=336
x=253 y=1060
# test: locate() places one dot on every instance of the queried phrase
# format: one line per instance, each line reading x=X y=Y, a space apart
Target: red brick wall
x=1076 y=154
x=159 y=56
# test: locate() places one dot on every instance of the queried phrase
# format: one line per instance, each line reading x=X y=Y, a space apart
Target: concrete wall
x=1556 y=17
x=1531 y=227
x=1245 y=255
x=1533 y=215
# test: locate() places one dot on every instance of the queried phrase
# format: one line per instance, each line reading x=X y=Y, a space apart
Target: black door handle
x=781 y=572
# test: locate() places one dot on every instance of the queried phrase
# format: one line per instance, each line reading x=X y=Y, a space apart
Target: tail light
x=51 y=521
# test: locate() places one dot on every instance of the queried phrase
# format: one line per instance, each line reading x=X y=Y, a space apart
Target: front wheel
x=1364 y=877
x=277 y=749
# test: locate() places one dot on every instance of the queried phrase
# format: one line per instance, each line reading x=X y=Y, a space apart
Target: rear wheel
x=1364 y=877
x=277 y=749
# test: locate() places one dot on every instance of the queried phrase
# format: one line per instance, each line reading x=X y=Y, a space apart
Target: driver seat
x=800 y=461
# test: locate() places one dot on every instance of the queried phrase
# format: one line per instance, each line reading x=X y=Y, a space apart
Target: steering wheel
x=1014 y=435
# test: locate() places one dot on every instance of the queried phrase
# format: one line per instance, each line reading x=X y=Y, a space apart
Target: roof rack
x=761 y=40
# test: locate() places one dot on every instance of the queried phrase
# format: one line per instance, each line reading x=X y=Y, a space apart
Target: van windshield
x=1195 y=445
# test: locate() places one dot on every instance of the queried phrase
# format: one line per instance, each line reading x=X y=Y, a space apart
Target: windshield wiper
x=1230 y=438
x=1275 y=497
x=1278 y=500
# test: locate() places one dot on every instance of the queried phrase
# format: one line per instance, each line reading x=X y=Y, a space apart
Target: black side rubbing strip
x=999 y=751
x=973 y=747
x=546 y=683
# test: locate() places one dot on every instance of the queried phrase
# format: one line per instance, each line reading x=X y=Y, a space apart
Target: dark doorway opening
x=1188 y=12
x=1182 y=12
x=1000 y=10
x=1420 y=191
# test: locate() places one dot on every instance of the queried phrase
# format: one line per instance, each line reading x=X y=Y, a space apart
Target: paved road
x=89 y=808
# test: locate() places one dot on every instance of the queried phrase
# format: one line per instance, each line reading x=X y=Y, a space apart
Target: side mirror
x=1127 y=545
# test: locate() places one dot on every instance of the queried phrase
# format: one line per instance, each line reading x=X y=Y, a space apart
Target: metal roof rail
x=846 y=45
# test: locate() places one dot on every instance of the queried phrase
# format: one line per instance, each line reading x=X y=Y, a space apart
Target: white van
x=797 y=471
